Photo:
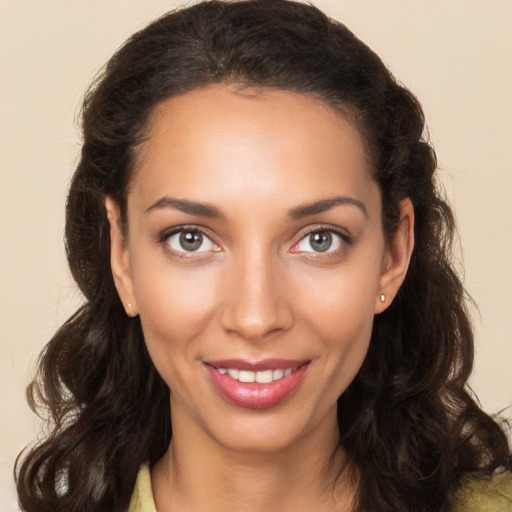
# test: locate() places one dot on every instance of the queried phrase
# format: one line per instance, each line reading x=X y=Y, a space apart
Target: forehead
x=213 y=142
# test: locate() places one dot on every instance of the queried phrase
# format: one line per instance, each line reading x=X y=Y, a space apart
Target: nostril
x=255 y=323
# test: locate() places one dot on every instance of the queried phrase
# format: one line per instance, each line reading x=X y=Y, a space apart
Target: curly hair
x=407 y=421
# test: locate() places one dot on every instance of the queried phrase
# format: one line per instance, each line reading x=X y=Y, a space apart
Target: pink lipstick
x=256 y=384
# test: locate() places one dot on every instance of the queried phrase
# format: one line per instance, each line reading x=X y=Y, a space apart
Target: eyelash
x=163 y=239
x=342 y=234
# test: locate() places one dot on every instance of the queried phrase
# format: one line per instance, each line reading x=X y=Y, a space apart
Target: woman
x=272 y=320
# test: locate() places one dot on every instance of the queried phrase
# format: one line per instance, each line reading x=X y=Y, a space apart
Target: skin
x=256 y=289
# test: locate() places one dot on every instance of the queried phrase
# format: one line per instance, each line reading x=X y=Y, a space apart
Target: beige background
x=456 y=55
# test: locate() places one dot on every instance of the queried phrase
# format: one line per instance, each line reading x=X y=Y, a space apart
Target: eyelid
x=343 y=233
x=164 y=236
x=336 y=230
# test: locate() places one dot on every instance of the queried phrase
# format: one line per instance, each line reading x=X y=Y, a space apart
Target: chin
x=272 y=430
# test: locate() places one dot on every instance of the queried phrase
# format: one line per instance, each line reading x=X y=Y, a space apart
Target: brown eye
x=320 y=241
x=190 y=240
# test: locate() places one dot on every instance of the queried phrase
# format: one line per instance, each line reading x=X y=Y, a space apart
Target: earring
x=129 y=310
x=382 y=297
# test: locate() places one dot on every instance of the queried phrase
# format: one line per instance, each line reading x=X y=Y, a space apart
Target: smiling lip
x=280 y=378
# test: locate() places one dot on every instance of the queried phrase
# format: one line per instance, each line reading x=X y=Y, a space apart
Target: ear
x=396 y=258
x=120 y=259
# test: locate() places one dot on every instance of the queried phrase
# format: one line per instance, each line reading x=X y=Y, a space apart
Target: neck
x=198 y=474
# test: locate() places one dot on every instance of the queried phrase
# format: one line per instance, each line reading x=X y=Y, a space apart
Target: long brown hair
x=407 y=421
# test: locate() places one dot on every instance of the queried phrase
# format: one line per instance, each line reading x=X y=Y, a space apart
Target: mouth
x=256 y=385
x=261 y=377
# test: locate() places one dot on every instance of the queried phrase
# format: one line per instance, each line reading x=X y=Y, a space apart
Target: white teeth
x=233 y=373
x=246 y=376
x=261 y=377
x=277 y=374
x=264 y=377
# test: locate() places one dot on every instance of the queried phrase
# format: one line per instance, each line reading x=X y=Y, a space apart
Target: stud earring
x=129 y=310
x=382 y=297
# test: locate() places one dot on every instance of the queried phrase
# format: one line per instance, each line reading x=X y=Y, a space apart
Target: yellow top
x=485 y=495
x=482 y=495
x=142 y=497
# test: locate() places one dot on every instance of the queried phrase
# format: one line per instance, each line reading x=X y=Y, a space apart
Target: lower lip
x=253 y=395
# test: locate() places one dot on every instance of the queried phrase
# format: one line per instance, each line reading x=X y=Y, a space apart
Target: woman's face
x=255 y=258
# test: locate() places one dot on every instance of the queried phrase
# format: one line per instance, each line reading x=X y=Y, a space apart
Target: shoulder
x=492 y=494
x=142 y=497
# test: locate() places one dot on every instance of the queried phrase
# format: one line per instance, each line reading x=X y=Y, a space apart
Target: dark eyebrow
x=324 y=205
x=187 y=206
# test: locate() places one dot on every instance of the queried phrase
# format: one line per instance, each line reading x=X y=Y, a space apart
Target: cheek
x=342 y=300
x=175 y=306
x=339 y=308
x=343 y=321
x=343 y=325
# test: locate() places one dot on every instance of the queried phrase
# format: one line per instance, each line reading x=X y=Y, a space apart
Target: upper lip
x=259 y=365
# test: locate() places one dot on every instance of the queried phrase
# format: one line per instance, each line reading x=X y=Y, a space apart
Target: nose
x=257 y=302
